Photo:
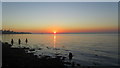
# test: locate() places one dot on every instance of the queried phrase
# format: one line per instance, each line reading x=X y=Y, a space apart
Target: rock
x=32 y=50
x=63 y=58
x=78 y=64
x=96 y=55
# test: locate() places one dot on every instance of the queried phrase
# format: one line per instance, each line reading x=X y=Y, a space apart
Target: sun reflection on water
x=54 y=40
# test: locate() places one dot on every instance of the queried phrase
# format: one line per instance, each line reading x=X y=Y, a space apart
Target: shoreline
x=18 y=57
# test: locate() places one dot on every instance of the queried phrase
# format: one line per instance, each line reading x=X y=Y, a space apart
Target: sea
x=87 y=49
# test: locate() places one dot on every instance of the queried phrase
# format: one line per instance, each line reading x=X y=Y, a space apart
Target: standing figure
x=26 y=40
x=70 y=56
x=12 y=41
x=19 y=41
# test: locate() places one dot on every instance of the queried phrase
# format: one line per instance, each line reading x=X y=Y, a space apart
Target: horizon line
x=82 y=33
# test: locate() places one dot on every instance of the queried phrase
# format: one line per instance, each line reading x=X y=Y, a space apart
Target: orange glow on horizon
x=57 y=30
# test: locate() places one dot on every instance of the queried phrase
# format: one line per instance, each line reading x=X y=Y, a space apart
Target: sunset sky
x=62 y=17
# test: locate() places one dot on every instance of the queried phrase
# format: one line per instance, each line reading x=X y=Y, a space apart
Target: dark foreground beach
x=18 y=57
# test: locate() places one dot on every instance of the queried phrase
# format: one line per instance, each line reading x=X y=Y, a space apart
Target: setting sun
x=54 y=32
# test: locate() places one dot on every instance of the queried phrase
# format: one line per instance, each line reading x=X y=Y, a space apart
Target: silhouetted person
x=26 y=40
x=12 y=41
x=70 y=56
x=19 y=41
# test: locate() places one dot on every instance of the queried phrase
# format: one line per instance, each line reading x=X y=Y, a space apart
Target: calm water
x=88 y=49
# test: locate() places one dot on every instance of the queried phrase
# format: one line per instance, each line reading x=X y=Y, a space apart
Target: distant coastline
x=13 y=32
